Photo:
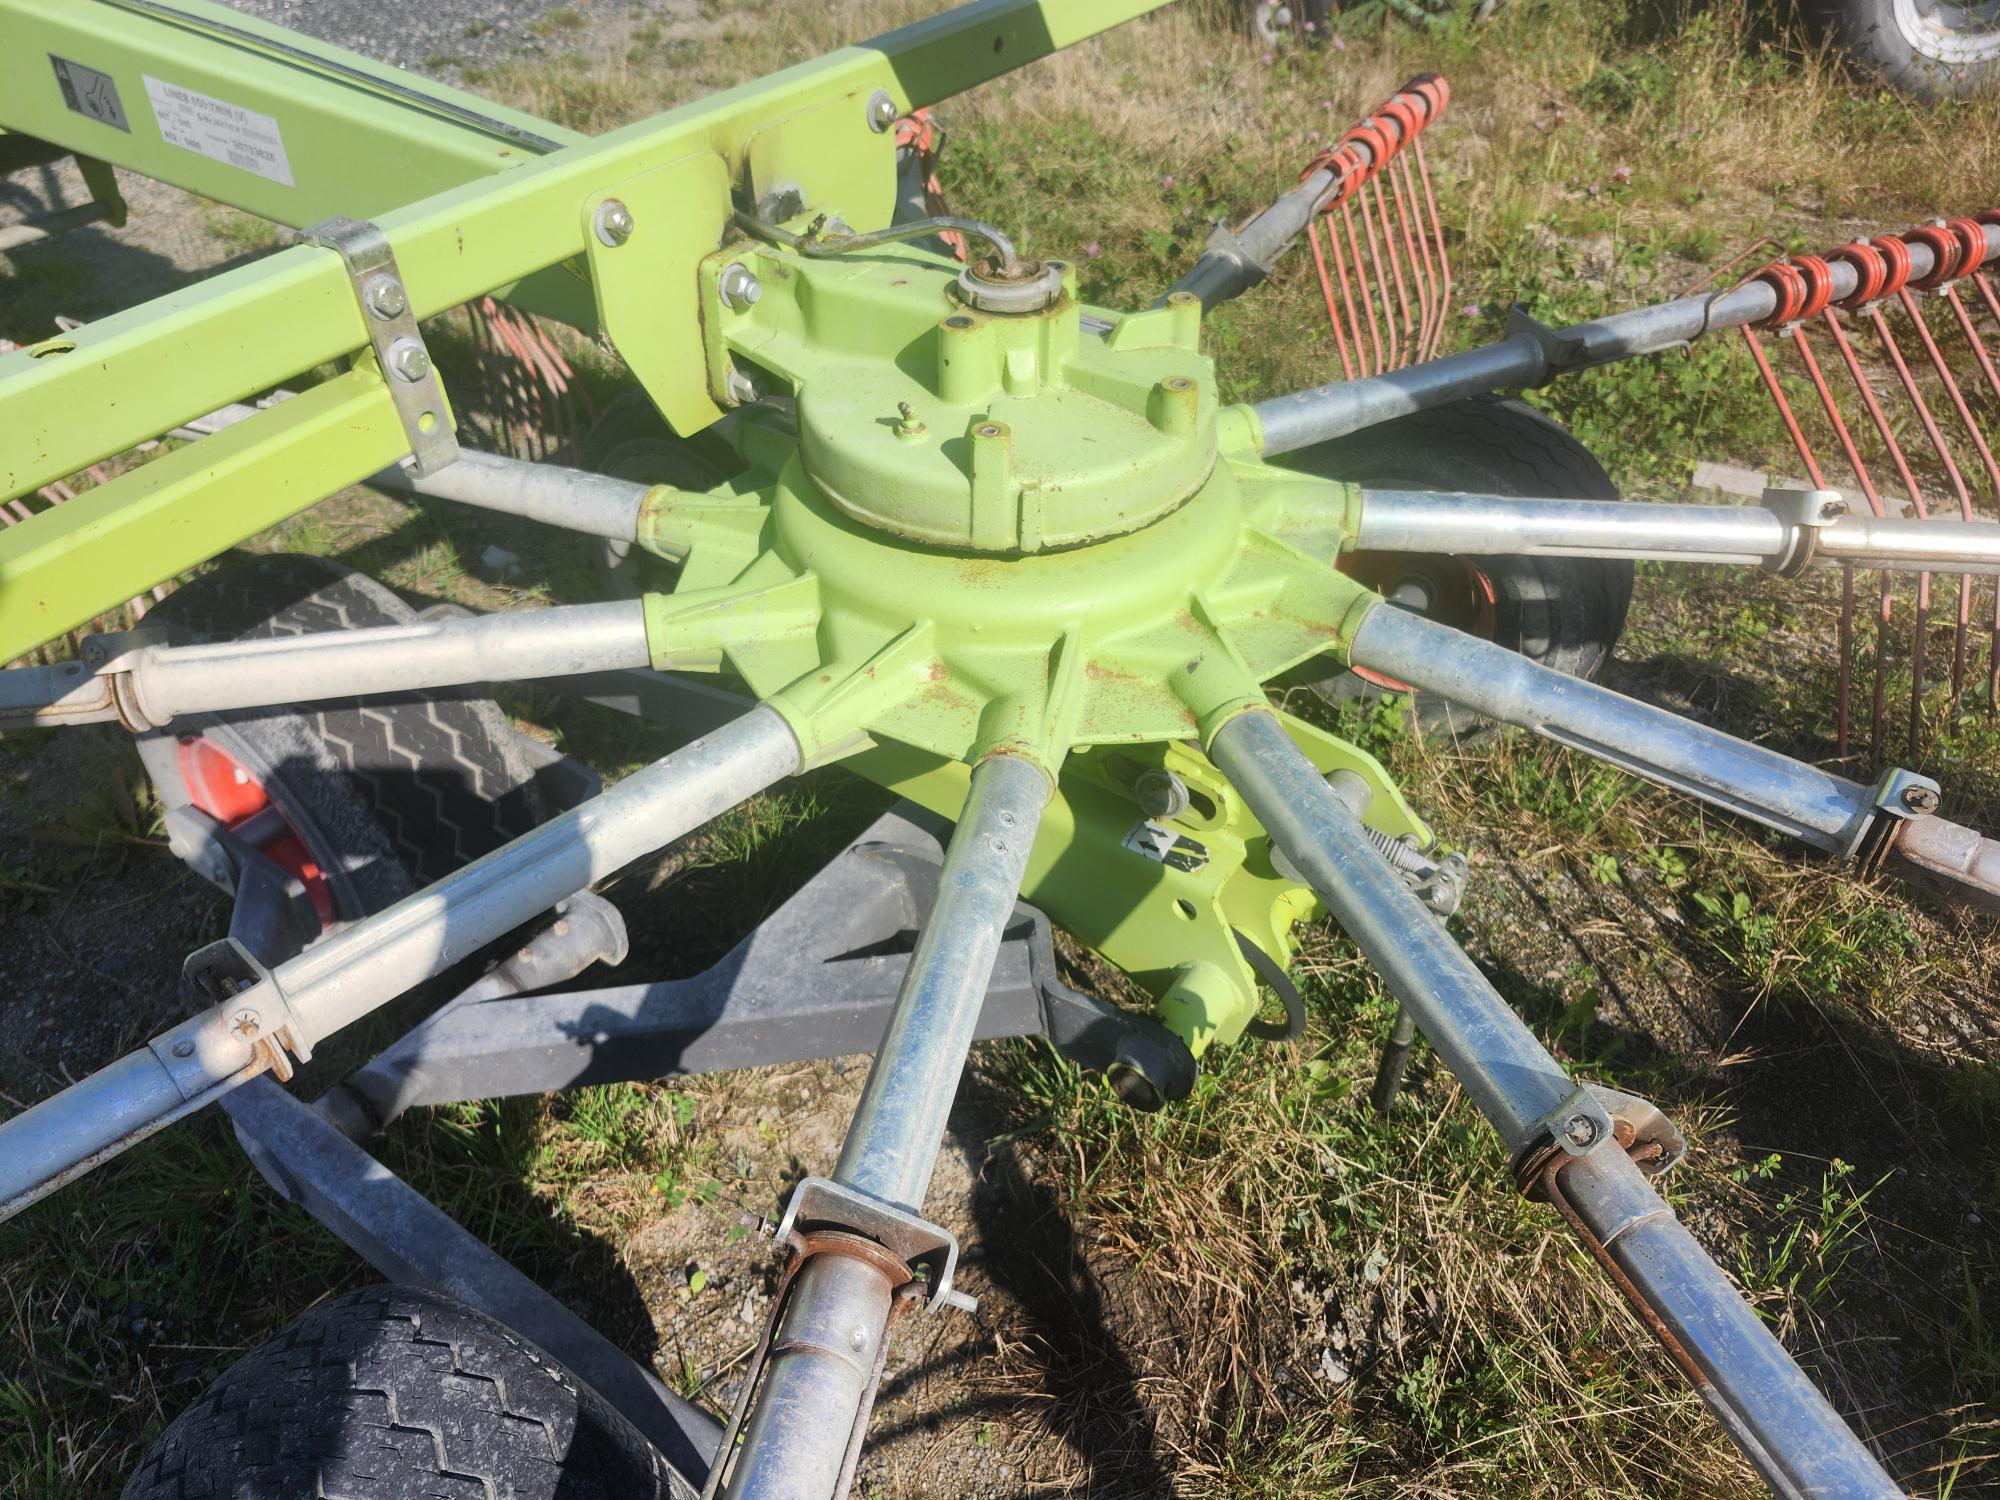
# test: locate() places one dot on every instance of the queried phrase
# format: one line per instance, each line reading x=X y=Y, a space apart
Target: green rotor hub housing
x=964 y=533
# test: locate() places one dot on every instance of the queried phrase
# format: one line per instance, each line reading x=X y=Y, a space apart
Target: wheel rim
x=1454 y=591
x=221 y=786
x=1951 y=34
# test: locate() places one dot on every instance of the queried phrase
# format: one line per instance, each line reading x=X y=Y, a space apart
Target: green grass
x=1346 y=1304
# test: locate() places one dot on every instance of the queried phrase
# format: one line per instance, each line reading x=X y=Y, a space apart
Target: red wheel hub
x=219 y=785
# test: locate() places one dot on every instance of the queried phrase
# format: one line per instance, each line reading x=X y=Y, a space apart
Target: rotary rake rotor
x=1003 y=552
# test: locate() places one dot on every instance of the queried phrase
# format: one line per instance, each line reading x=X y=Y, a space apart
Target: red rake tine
x=1326 y=287
x=1377 y=282
x=1395 y=225
x=1354 y=247
x=1436 y=227
x=1432 y=302
x=1958 y=402
x=1818 y=478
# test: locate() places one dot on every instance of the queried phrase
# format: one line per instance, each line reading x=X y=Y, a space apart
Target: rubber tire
x=1263 y=31
x=394 y=1393
x=1869 y=32
x=1563 y=612
x=387 y=794
x=631 y=440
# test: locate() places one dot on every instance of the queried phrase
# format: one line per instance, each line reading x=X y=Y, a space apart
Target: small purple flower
x=1092 y=251
x=1269 y=58
x=1312 y=135
x=1167 y=181
x=1339 y=45
x=1622 y=175
x=1470 y=310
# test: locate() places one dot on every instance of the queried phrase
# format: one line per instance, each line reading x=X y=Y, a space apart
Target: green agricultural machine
x=904 y=503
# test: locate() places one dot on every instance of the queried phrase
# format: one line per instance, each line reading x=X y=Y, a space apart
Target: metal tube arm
x=349 y=974
x=1830 y=812
x=1766 y=1403
x=1791 y=529
x=1530 y=355
x=595 y=504
x=145 y=686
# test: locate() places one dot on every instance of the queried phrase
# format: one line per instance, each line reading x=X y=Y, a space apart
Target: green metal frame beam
x=360 y=138
x=120 y=381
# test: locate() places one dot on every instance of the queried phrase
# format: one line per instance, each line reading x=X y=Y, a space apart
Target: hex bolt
x=1580 y=1130
x=1920 y=799
x=409 y=359
x=386 y=298
x=881 y=111
x=742 y=389
x=1160 y=793
x=614 y=222
x=907 y=425
x=739 y=286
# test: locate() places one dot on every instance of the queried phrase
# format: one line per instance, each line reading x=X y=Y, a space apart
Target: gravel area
x=413 y=36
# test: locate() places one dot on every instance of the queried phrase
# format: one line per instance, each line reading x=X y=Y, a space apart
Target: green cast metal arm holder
x=475 y=198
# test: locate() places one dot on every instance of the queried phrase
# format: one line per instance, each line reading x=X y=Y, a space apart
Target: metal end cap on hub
x=1034 y=286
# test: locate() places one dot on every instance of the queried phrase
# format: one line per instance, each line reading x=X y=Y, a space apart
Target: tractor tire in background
x=378 y=796
x=394 y=1393
x=1930 y=49
x=1563 y=612
x=631 y=440
x=1273 y=21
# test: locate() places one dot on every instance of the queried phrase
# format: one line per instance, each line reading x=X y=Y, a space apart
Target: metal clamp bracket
x=821 y=1203
x=392 y=331
x=1804 y=512
x=1587 y=1119
x=1561 y=353
x=223 y=972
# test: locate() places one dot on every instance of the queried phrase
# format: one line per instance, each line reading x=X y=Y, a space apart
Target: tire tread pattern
x=397 y=1393
x=410 y=787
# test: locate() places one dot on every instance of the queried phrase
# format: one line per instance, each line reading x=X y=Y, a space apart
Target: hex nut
x=739 y=286
x=1160 y=793
x=409 y=359
x=386 y=298
x=614 y=222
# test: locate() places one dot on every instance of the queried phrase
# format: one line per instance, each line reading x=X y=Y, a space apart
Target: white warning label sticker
x=222 y=131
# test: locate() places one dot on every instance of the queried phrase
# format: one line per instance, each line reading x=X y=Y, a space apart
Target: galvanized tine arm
x=1790 y=531
x=803 y=1412
x=143 y=685
x=268 y=1016
x=1588 y=1151
x=1234 y=262
x=1530 y=355
x=1842 y=817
